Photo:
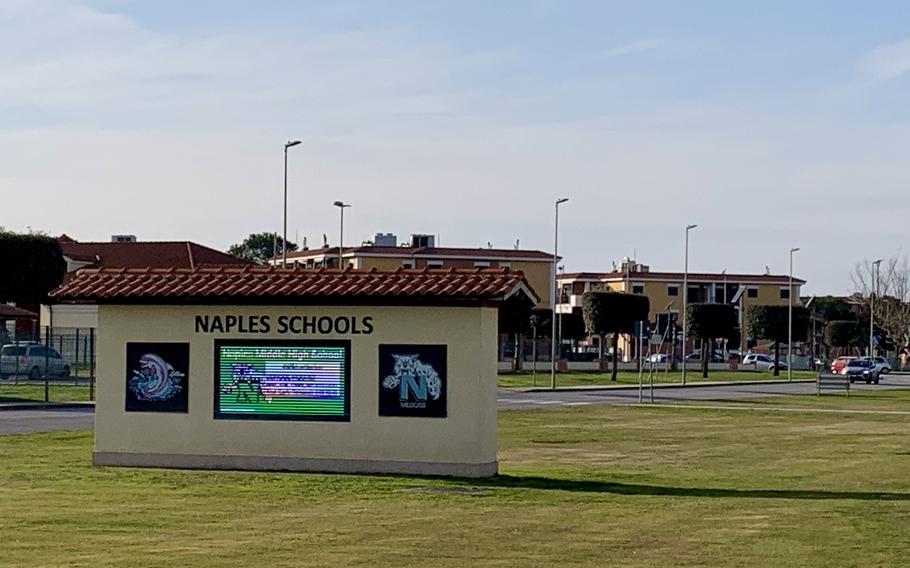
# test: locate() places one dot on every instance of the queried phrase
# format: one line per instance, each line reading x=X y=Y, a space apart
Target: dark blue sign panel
x=156 y=377
x=412 y=380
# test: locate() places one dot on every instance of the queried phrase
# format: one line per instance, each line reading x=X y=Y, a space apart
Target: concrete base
x=267 y=463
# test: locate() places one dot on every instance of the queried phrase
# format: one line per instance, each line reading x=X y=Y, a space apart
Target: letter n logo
x=418 y=387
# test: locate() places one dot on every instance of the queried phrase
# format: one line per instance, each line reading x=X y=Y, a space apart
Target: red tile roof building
x=142 y=254
x=255 y=284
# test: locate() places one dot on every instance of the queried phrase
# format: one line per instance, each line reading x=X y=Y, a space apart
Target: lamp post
x=685 y=304
x=555 y=285
x=341 y=206
x=790 y=320
x=875 y=268
x=284 y=243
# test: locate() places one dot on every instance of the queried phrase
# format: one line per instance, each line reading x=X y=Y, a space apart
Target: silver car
x=32 y=359
x=762 y=362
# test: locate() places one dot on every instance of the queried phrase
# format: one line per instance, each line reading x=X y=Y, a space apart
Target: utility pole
x=553 y=339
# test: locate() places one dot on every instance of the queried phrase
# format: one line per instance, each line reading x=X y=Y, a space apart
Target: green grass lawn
x=27 y=391
x=583 y=486
x=581 y=378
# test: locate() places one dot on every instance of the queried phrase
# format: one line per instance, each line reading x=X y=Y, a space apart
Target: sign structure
x=413 y=380
x=282 y=379
x=156 y=377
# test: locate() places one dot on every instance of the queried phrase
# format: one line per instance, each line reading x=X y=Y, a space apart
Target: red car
x=837 y=366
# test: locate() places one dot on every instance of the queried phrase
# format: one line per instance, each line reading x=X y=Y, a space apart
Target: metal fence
x=58 y=366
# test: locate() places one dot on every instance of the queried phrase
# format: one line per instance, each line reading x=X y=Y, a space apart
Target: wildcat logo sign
x=412 y=380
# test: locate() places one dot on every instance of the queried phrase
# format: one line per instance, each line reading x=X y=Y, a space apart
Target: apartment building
x=665 y=289
x=384 y=253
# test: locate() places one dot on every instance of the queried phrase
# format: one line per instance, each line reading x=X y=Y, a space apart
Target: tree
x=889 y=285
x=33 y=265
x=708 y=322
x=515 y=320
x=259 y=247
x=770 y=322
x=845 y=334
x=613 y=313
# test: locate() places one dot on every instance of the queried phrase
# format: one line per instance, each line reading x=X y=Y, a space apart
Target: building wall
x=463 y=443
x=69 y=316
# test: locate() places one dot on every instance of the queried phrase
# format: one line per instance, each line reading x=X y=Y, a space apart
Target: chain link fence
x=55 y=365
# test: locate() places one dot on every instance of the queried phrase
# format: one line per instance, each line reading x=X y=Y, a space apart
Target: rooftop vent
x=123 y=238
x=385 y=240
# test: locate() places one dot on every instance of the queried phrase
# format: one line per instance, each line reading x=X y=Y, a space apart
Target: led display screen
x=282 y=380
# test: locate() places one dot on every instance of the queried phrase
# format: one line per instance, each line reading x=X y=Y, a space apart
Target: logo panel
x=412 y=380
x=156 y=377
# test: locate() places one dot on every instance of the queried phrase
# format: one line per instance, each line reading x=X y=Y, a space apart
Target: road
x=22 y=421
x=509 y=399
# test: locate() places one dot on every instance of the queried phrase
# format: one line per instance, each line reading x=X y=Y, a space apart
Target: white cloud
x=888 y=61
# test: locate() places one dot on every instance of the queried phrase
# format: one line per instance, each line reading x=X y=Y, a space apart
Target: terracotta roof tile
x=261 y=284
x=157 y=254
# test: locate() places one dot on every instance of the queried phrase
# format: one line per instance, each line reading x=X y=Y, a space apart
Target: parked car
x=882 y=365
x=837 y=366
x=695 y=356
x=861 y=370
x=762 y=362
x=31 y=359
x=658 y=358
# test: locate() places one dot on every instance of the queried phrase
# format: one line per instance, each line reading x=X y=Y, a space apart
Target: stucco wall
x=463 y=443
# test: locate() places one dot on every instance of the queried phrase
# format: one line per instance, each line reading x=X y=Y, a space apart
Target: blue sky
x=769 y=124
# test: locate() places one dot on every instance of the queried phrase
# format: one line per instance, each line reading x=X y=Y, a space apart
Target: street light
x=875 y=268
x=553 y=339
x=685 y=304
x=284 y=243
x=341 y=206
x=790 y=320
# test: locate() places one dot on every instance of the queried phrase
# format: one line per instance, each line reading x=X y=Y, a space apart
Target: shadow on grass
x=547 y=483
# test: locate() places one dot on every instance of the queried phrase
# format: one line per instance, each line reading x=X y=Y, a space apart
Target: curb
x=45 y=405
x=658 y=385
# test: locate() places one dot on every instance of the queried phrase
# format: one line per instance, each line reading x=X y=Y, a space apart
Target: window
x=784 y=292
x=407 y=264
x=752 y=292
x=434 y=264
x=505 y=264
x=638 y=288
x=672 y=289
x=481 y=264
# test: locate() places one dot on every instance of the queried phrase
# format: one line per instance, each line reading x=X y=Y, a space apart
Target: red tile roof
x=256 y=284
x=421 y=252
x=146 y=254
x=12 y=312
x=674 y=276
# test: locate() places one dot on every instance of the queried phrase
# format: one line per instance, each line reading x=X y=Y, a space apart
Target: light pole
x=790 y=320
x=284 y=243
x=685 y=304
x=875 y=267
x=341 y=206
x=555 y=285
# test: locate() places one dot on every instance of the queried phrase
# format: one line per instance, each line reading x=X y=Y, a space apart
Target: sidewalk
x=627 y=386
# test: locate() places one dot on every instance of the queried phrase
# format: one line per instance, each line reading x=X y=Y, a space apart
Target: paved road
x=514 y=399
x=22 y=421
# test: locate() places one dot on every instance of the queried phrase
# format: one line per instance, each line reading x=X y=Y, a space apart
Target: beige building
x=383 y=253
x=664 y=289
x=294 y=369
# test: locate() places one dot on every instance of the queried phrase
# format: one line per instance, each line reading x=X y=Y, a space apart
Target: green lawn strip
x=884 y=400
x=525 y=379
x=601 y=485
x=34 y=392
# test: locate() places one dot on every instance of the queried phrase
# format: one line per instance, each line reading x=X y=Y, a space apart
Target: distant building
x=125 y=251
x=384 y=253
x=665 y=289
